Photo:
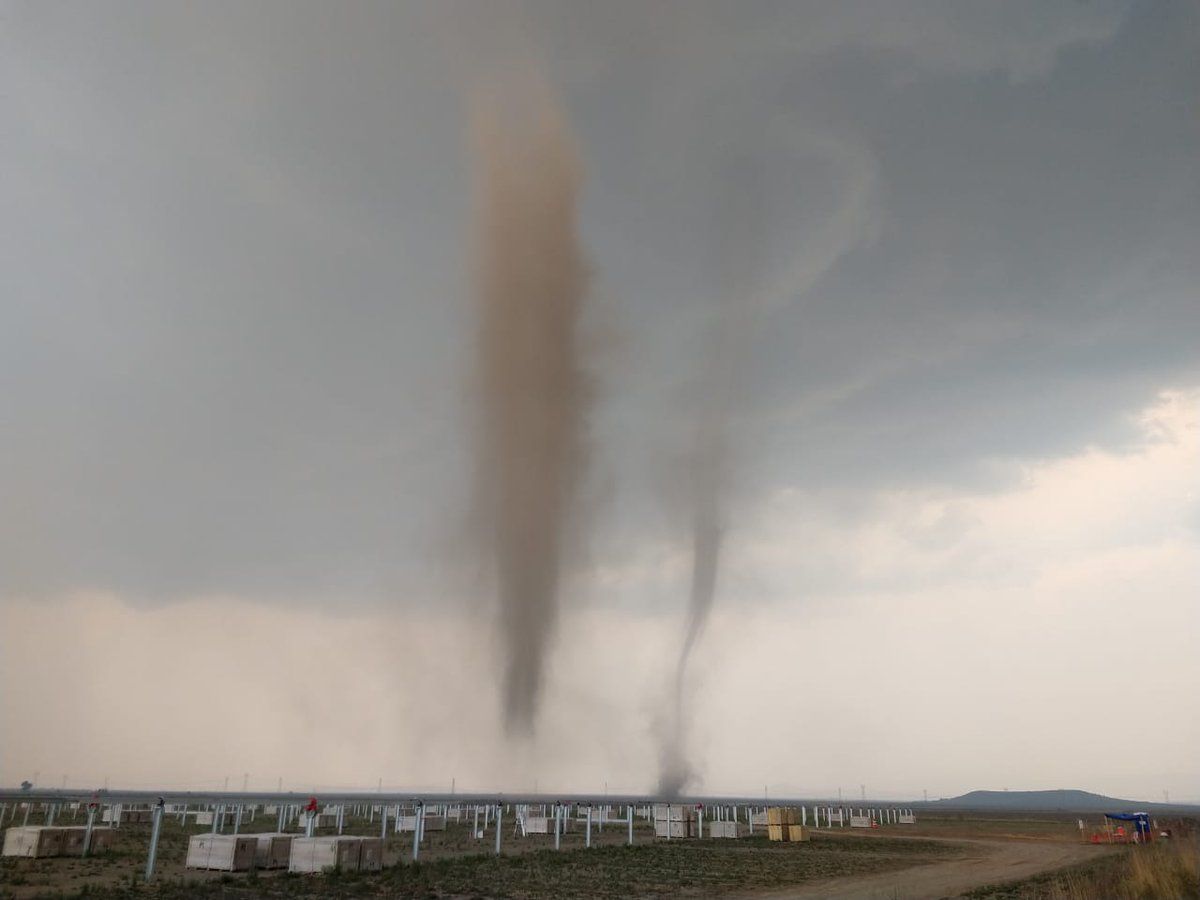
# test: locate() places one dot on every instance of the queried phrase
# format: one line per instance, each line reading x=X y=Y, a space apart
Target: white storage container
x=539 y=825
x=316 y=854
x=370 y=857
x=33 y=841
x=664 y=828
x=273 y=849
x=320 y=820
x=725 y=829
x=406 y=823
x=432 y=823
x=74 y=835
x=72 y=839
x=225 y=852
x=672 y=812
x=126 y=816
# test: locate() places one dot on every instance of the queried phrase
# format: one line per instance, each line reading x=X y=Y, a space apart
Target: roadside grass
x=1166 y=870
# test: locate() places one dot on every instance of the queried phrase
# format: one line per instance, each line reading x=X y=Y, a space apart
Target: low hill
x=1046 y=801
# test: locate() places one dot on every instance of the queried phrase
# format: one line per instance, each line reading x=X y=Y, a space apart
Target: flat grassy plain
x=454 y=866
x=1051 y=826
x=680 y=869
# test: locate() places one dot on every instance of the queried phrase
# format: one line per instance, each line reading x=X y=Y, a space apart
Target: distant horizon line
x=391 y=793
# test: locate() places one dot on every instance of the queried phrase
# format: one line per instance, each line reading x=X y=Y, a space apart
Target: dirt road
x=987 y=862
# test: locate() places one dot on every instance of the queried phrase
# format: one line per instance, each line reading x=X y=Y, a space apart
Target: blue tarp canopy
x=1141 y=820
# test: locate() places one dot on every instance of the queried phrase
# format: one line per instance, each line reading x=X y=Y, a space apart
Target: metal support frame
x=154 y=832
x=418 y=817
x=87 y=834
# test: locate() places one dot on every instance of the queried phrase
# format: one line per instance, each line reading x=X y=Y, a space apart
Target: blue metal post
x=158 y=817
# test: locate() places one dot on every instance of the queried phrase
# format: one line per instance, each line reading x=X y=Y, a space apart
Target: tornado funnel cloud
x=706 y=551
x=531 y=280
x=675 y=771
x=708 y=463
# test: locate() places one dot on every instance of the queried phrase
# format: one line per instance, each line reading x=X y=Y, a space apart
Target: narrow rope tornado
x=706 y=472
x=708 y=463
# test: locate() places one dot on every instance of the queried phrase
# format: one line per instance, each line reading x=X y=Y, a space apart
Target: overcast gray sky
x=962 y=528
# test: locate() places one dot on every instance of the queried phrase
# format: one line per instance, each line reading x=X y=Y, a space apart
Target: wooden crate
x=776 y=833
x=797 y=833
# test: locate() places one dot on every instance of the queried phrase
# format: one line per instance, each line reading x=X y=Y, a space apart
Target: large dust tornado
x=531 y=278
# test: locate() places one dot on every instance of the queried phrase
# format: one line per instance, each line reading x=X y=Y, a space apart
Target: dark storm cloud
x=232 y=326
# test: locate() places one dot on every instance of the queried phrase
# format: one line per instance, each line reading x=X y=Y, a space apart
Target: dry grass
x=675 y=869
x=1166 y=870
